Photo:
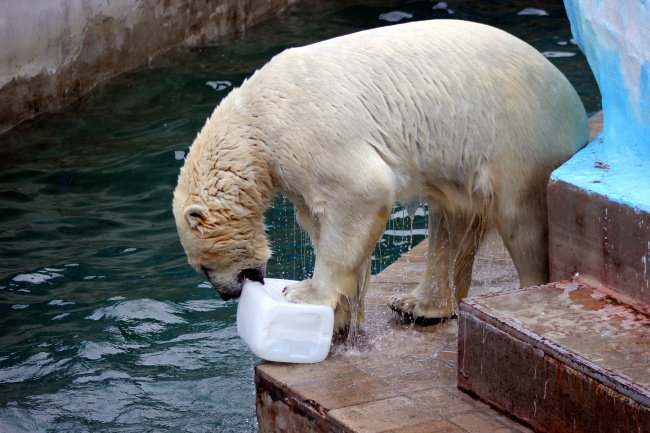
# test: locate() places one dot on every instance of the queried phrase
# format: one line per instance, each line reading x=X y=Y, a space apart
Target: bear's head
x=227 y=250
x=219 y=202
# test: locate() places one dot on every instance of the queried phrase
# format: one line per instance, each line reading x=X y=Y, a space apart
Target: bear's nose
x=225 y=296
x=227 y=290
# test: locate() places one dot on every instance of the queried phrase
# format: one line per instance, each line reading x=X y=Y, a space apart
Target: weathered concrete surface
x=52 y=52
x=601 y=239
x=397 y=378
x=562 y=357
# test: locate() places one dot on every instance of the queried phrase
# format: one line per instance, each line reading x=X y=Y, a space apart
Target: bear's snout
x=232 y=288
x=227 y=290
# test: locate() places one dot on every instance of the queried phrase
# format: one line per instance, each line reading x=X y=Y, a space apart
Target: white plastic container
x=278 y=330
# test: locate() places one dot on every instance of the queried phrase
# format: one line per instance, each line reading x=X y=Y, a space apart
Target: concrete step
x=563 y=357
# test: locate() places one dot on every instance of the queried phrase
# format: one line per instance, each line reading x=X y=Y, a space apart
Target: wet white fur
x=463 y=115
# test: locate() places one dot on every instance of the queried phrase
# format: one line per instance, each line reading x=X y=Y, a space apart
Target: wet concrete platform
x=561 y=357
x=398 y=377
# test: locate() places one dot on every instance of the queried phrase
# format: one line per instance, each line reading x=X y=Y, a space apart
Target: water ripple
x=36 y=366
x=138 y=310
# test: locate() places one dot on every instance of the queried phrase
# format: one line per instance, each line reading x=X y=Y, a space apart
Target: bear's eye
x=196 y=215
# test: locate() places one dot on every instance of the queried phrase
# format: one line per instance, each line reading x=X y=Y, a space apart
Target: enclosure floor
x=397 y=377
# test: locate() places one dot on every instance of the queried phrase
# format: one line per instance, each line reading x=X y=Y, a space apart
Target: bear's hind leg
x=524 y=231
x=453 y=241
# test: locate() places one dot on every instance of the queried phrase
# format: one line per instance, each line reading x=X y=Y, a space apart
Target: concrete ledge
x=606 y=240
x=562 y=358
x=603 y=239
x=55 y=51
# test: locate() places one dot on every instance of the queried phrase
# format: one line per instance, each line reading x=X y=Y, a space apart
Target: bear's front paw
x=305 y=292
x=425 y=311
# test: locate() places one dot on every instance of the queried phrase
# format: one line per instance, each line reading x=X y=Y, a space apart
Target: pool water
x=103 y=324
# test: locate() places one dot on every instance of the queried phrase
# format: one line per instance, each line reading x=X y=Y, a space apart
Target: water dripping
x=378 y=261
x=356 y=304
x=293 y=233
x=411 y=209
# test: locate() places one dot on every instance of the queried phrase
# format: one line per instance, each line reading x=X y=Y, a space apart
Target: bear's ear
x=195 y=216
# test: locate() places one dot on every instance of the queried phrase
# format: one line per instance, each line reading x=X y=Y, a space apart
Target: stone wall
x=53 y=51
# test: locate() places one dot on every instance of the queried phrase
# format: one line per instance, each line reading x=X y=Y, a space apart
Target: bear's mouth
x=252 y=274
x=232 y=289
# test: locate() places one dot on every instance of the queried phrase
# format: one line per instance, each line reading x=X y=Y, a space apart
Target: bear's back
x=439 y=94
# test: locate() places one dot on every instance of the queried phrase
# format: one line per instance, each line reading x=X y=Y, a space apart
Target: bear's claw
x=404 y=317
x=421 y=311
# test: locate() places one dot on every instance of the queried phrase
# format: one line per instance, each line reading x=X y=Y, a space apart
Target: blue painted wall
x=615 y=37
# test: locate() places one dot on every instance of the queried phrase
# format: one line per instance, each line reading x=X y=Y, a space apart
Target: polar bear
x=462 y=115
